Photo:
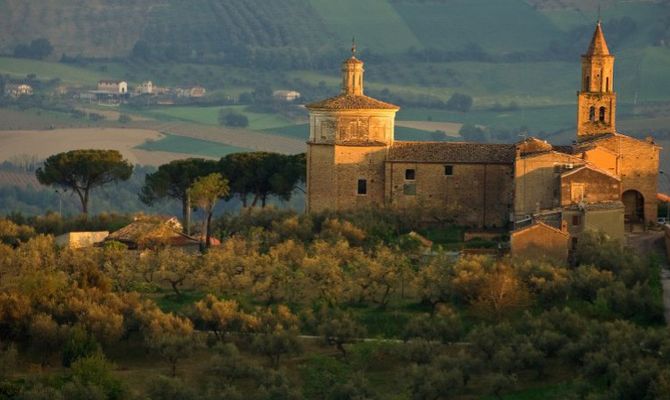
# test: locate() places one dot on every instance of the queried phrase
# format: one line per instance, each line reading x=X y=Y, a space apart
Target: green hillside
x=206 y=29
x=49 y=70
x=458 y=23
x=375 y=23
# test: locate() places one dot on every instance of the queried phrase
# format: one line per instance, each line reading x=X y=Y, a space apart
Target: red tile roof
x=451 y=152
x=351 y=102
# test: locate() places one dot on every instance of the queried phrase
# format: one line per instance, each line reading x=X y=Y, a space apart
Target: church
x=604 y=180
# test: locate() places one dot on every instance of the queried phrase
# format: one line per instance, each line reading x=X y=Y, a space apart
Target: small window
x=592 y=114
x=587 y=84
x=607 y=84
x=410 y=174
x=576 y=220
x=602 y=114
x=362 y=186
x=448 y=170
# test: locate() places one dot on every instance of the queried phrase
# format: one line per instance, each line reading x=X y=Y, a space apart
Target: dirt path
x=649 y=243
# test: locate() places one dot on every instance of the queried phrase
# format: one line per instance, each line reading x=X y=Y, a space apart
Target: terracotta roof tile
x=351 y=102
x=445 y=152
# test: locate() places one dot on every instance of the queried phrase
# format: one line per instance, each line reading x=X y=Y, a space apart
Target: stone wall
x=589 y=186
x=637 y=167
x=540 y=241
x=537 y=181
x=333 y=173
x=478 y=195
x=356 y=126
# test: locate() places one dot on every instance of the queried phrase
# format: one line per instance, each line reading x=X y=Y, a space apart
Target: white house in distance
x=146 y=87
x=116 y=87
x=286 y=95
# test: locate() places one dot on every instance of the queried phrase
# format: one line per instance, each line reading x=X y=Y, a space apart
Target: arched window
x=602 y=114
x=587 y=84
x=592 y=114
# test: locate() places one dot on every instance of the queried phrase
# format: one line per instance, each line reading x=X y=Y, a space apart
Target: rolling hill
x=198 y=28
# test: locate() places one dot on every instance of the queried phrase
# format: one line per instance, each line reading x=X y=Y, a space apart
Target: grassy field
x=210 y=116
x=186 y=145
x=19 y=68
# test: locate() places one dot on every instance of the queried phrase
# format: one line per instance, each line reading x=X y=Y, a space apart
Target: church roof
x=351 y=102
x=533 y=145
x=598 y=45
x=453 y=152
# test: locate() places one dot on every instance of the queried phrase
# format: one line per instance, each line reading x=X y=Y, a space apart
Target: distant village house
x=116 y=87
x=146 y=87
x=18 y=90
x=286 y=95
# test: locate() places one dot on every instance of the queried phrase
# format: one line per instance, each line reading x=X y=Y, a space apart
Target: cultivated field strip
x=248 y=139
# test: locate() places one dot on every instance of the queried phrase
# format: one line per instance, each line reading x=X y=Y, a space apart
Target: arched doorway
x=633 y=202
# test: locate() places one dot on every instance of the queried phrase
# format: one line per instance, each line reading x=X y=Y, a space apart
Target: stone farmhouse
x=602 y=181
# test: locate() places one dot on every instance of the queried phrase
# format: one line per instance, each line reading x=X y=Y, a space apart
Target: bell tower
x=596 y=110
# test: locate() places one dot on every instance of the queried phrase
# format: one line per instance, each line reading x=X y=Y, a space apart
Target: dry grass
x=47 y=142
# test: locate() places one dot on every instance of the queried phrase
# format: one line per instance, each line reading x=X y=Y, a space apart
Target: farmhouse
x=602 y=181
x=155 y=231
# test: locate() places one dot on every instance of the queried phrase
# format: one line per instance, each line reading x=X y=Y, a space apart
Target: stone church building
x=601 y=181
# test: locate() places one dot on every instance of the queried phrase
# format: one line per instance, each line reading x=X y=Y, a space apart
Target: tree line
x=251 y=177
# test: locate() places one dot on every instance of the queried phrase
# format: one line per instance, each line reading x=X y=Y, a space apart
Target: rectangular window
x=410 y=174
x=362 y=186
x=576 y=220
x=448 y=170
